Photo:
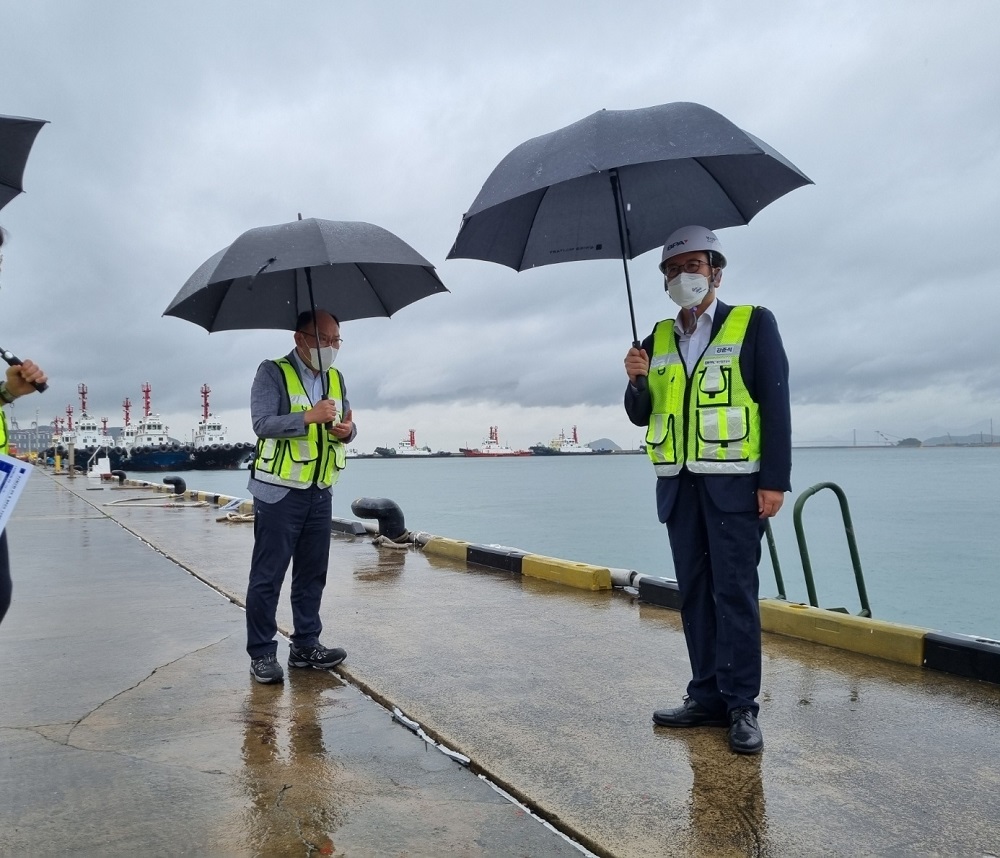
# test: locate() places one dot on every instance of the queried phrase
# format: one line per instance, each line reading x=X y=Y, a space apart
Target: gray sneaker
x=317 y=656
x=266 y=669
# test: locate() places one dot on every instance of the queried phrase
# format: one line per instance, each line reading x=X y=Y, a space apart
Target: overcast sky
x=176 y=126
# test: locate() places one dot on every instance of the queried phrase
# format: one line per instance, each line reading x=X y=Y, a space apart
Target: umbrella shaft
x=622 y=231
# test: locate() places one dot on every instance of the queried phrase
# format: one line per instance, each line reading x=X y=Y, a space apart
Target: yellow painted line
x=891 y=641
x=454 y=548
x=581 y=575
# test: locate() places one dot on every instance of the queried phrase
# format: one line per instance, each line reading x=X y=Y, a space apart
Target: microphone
x=14 y=360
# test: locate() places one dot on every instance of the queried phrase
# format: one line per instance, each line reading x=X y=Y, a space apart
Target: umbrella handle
x=13 y=360
x=327 y=426
x=640 y=380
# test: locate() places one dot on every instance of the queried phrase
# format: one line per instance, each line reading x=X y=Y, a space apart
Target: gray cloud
x=176 y=127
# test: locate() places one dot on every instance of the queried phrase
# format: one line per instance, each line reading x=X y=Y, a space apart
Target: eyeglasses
x=692 y=266
x=324 y=342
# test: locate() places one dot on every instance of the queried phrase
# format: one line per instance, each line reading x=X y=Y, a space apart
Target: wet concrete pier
x=129 y=722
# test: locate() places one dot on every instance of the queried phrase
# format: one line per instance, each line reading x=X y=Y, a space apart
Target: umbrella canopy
x=270 y=274
x=17 y=135
x=617 y=183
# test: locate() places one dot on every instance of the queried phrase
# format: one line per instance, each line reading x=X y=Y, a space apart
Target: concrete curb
x=961 y=655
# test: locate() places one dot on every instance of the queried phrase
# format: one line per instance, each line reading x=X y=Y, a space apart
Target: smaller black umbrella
x=270 y=274
x=17 y=135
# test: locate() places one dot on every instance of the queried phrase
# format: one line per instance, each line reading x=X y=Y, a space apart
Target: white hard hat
x=689 y=238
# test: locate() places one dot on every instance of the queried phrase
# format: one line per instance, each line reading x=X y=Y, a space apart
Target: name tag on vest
x=720 y=354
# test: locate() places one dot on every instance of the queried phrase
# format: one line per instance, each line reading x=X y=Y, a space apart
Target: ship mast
x=82 y=390
x=205 y=390
x=127 y=408
x=69 y=418
x=146 y=390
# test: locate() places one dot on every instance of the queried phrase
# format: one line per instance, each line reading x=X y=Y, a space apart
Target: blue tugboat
x=152 y=449
x=212 y=449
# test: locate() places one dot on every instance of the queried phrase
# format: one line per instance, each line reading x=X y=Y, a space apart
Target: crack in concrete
x=40 y=729
x=152 y=673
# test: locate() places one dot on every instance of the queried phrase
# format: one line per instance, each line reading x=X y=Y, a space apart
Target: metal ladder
x=804 y=551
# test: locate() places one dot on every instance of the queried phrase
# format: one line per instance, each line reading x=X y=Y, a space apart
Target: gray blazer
x=272 y=417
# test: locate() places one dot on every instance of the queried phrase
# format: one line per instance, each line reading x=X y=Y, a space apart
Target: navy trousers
x=294 y=530
x=715 y=559
x=6 y=588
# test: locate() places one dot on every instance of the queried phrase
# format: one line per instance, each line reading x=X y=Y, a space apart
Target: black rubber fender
x=386 y=512
x=120 y=476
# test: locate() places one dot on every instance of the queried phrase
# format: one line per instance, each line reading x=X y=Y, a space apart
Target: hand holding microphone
x=28 y=375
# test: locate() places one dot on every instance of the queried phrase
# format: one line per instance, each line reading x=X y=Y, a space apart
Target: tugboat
x=153 y=449
x=491 y=448
x=87 y=438
x=212 y=449
x=126 y=437
x=560 y=445
x=406 y=448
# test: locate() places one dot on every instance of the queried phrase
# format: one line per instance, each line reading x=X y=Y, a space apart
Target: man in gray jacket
x=302 y=419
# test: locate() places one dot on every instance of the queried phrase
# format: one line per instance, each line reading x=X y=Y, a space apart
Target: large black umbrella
x=617 y=183
x=17 y=134
x=270 y=274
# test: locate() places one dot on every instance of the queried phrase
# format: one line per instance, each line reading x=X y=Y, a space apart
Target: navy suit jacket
x=765 y=370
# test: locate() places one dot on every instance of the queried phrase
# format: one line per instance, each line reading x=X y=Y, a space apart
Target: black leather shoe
x=690 y=714
x=744 y=734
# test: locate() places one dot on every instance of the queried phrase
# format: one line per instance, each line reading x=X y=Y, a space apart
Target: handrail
x=775 y=565
x=851 y=544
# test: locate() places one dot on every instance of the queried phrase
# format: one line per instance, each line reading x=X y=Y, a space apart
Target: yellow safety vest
x=4 y=438
x=708 y=422
x=316 y=458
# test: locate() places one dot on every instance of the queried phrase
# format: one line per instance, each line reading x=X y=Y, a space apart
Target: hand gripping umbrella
x=616 y=184
x=17 y=135
x=270 y=274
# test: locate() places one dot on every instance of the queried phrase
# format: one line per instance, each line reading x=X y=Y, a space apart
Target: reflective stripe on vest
x=708 y=422
x=314 y=458
x=4 y=437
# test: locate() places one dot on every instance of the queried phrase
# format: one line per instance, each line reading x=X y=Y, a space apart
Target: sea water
x=925 y=520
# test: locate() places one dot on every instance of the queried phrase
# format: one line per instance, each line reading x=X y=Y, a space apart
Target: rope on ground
x=145 y=502
x=401 y=542
x=236 y=517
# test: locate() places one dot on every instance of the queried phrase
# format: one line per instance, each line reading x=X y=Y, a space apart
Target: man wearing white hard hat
x=711 y=386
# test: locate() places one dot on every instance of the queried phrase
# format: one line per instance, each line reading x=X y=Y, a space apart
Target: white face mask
x=688 y=290
x=328 y=354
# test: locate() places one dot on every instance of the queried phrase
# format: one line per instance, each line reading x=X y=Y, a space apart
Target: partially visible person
x=300 y=453
x=19 y=381
x=717 y=409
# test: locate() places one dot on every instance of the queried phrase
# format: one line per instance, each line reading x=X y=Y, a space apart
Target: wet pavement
x=130 y=722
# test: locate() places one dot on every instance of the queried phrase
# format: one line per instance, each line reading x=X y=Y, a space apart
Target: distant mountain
x=979 y=439
x=603 y=444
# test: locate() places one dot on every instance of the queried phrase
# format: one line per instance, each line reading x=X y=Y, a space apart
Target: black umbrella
x=617 y=183
x=270 y=274
x=17 y=134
